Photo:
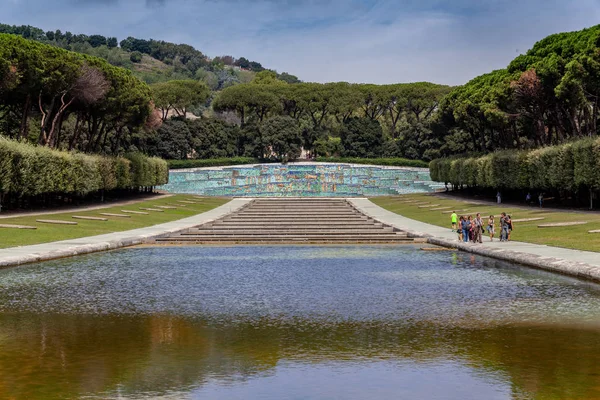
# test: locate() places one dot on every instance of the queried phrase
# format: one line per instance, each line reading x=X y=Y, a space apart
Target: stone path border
x=11 y=226
x=14 y=256
x=560 y=224
x=55 y=222
x=89 y=218
x=577 y=263
x=528 y=219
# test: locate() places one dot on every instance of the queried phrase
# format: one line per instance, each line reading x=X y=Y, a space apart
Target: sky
x=361 y=41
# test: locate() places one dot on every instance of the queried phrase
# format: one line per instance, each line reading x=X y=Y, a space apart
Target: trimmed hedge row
x=220 y=162
x=211 y=162
x=394 y=162
x=569 y=166
x=28 y=170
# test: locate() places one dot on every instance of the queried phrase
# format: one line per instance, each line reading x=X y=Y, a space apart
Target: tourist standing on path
x=478 y=231
x=491 y=227
x=509 y=224
x=470 y=226
x=528 y=198
x=460 y=229
x=466 y=226
x=454 y=219
x=503 y=228
x=541 y=199
x=499 y=197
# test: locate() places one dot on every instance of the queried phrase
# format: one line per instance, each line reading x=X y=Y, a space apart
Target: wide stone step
x=297 y=221
x=243 y=232
x=299 y=228
x=296 y=209
x=286 y=238
x=286 y=214
x=297 y=241
x=298 y=218
x=302 y=223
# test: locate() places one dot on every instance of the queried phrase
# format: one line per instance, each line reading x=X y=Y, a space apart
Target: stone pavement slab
x=47 y=251
x=583 y=264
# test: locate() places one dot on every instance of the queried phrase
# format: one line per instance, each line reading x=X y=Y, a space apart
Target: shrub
x=393 y=162
x=27 y=170
x=569 y=166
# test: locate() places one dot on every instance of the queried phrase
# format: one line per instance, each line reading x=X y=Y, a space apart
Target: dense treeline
x=544 y=97
x=62 y=99
x=567 y=170
x=354 y=120
x=28 y=171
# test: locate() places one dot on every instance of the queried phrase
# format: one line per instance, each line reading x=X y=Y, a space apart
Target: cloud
x=379 y=41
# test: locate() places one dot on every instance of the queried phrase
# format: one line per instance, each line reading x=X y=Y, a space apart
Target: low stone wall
x=562 y=266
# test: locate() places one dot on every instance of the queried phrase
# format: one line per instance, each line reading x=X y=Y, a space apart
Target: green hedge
x=395 y=162
x=28 y=170
x=569 y=166
x=211 y=162
x=220 y=162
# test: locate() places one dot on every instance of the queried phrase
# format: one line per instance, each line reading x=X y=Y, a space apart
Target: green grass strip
x=50 y=233
x=571 y=237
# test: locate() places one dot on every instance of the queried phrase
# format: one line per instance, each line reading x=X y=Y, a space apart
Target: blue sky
x=377 y=41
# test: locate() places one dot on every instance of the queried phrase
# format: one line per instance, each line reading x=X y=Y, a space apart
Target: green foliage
x=570 y=167
x=135 y=57
x=544 y=97
x=212 y=162
x=179 y=96
x=281 y=138
x=406 y=112
x=393 y=162
x=107 y=99
x=362 y=137
x=27 y=171
x=214 y=139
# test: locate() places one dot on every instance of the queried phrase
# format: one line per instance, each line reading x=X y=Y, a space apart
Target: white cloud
x=379 y=41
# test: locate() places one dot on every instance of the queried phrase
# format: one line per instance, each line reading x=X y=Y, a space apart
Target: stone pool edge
x=566 y=265
x=15 y=256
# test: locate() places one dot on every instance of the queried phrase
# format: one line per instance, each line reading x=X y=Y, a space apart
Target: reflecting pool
x=300 y=180
x=295 y=323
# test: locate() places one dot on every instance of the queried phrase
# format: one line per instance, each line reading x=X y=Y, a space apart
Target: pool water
x=300 y=180
x=374 y=322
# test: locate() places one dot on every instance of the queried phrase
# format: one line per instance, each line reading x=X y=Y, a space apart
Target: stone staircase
x=291 y=221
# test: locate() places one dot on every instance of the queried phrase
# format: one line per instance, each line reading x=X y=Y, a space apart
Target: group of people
x=471 y=229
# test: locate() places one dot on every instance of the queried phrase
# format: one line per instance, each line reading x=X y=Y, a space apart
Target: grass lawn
x=572 y=237
x=44 y=233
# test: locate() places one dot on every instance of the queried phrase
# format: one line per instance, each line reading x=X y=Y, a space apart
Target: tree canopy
x=545 y=96
x=46 y=85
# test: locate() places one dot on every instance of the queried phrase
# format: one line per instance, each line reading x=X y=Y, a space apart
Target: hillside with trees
x=152 y=60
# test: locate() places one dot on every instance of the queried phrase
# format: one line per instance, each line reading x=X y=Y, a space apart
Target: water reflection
x=405 y=325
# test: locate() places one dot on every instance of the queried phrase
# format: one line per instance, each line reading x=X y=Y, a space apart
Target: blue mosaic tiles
x=300 y=180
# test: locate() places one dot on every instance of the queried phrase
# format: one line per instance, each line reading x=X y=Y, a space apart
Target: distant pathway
x=584 y=264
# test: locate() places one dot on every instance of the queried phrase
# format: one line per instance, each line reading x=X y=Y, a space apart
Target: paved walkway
x=578 y=263
x=47 y=251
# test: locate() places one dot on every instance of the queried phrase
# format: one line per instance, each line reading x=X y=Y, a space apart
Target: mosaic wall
x=300 y=180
